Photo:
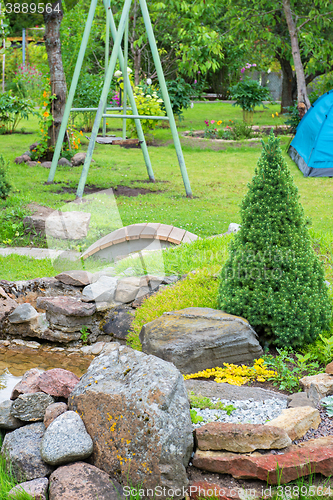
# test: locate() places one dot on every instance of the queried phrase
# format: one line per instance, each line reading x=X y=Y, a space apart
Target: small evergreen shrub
x=5 y=186
x=272 y=276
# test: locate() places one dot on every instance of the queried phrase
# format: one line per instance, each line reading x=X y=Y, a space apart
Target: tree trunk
x=302 y=96
x=137 y=66
x=287 y=84
x=58 y=80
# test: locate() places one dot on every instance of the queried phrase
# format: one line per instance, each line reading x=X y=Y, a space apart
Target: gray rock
x=75 y=278
x=31 y=407
x=126 y=291
x=64 y=162
x=299 y=399
x=108 y=271
x=67 y=306
x=66 y=440
x=78 y=159
x=22 y=449
x=135 y=406
x=233 y=227
x=22 y=159
x=32 y=163
x=37 y=488
x=196 y=338
x=119 y=322
x=24 y=312
x=46 y=164
x=102 y=290
x=7 y=421
x=67 y=225
x=34 y=146
x=7 y=305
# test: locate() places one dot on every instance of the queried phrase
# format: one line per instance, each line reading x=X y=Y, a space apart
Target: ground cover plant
x=273 y=277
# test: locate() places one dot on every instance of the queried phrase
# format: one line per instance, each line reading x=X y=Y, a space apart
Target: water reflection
x=7 y=383
x=14 y=365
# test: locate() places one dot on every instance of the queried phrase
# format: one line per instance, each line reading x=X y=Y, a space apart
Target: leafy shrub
x=13 y=109
x=249 y=93
x=146 y=104
x=5 y=186
x=197 y=290
x=240 y=130
x=273 y=277
x=289 y=367
x=180 y=94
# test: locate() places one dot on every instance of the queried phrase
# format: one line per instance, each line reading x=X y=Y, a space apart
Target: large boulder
x=81 y=481
x=22 y=449
x=136 y=410
x=198 y=338
x=66 y=440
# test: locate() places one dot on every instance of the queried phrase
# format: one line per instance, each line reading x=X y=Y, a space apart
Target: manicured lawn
x=218 y=180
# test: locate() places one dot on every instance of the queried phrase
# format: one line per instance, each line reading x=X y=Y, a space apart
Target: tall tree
x=52 y=18
x=262 y=24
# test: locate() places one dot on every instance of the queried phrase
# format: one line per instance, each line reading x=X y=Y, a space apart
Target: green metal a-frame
x=110 y=63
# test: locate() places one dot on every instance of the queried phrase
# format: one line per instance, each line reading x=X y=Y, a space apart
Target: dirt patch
x=147 y=181
x=129 y=191
x=117 y=190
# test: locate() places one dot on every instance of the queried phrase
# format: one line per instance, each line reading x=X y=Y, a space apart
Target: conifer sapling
x=272 y=276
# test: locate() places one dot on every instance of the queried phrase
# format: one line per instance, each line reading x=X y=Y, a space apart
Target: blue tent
x=312 y=147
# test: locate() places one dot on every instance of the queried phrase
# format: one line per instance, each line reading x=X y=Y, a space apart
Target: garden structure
x=110 y=64
x=311 y=149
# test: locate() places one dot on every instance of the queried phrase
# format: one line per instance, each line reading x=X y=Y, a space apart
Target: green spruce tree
x=273 y=277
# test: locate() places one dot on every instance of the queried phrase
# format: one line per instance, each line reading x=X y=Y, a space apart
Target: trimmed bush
x=273 y=277
x=5 y=186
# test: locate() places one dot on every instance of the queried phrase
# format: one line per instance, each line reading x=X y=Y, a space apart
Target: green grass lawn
x=218 y=179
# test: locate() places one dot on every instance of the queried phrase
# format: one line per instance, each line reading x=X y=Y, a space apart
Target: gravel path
x=248 y=411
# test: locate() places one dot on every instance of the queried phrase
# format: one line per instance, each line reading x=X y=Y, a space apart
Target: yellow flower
x=219 y=122
x=44 y=94
x=277 y=114
x=45 y=103
x=79 y=141
x=80 y=132
x=273 y=115
x=46 y=114
x=42 y=130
